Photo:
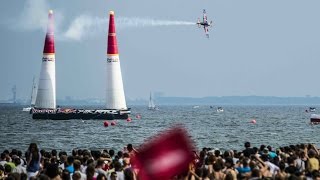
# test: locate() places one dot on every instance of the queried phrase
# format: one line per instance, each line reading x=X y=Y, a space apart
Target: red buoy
x=106 y=124
x=138 y=116
x=128 y=119
x=253 y=121
x=113 y=123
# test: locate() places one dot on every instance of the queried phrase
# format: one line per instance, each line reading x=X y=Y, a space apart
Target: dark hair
x=15 y=176
x=282 y=165
x=70 y=160
x=33 y=149
x=52 y=170
x=17 y=161
x=23 y=176
x=111 y=152
x=74 y=152
x=247 y=144
x=100 y=162
x=120 y=154
x=255 y=173
x=19 y=153
x=14 y=152
x=117 y=166
x=90 y=172
x=128 y=174
x=129 y=147
x=3 y=156
x=100 y=176
x=54 y=152
x=7 y=168
x=217 y=166
x=65 y=175
x=217 y=153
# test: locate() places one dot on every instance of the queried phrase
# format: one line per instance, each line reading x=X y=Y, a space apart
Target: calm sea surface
x=276 y=126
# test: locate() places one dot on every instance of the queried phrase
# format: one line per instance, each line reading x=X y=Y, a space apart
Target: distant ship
x=315 y=119
x=312 y=109
x=220 y=109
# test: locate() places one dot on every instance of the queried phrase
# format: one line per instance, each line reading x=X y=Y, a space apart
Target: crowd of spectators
x=299 y=161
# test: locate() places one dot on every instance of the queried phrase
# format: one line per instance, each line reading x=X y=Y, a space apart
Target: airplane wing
x=198 y=22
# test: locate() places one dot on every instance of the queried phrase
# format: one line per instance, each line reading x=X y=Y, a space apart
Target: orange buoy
x=106 y=124
x=253 y=121
x=113 y=123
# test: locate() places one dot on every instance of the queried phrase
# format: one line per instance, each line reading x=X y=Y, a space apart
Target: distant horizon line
x=162 y=96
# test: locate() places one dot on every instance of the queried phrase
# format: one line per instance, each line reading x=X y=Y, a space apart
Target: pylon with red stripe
x=115 y=94
x=46 y=95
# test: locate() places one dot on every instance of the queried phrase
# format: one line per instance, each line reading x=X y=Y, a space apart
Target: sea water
x=275 y=126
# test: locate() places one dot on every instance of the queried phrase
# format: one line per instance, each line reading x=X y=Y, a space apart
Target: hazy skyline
x=263 y=48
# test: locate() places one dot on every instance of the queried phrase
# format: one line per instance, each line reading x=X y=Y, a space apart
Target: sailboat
x=152 y=106
x=33 y=96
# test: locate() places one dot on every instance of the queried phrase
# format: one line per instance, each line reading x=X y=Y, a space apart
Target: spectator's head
x=111 y=152
x=76 y=165
x=17 y=161
x=129 y=147
x=113 y=176
x=76 y=176
x=128 y=174
x=101 y=177
x=70 y=160
x=52 y=171
x=7 y=169
x=311 y=153
x=247 y=144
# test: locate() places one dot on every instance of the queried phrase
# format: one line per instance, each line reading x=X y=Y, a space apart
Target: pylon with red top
x=115 y=94
x=46 y=95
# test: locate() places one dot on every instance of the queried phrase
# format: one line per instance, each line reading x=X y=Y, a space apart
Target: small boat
x=315 y=119
x=33 y=97
x=220 y=109
x=195 y=107
x=151 y=105
x=312 y=109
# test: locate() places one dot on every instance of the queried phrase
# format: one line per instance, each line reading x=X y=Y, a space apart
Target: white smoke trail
x=34 y=17
x=145 y=22
x=85 y=26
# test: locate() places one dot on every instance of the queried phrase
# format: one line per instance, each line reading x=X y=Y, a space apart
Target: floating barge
x=315 y=119
x=66 y=114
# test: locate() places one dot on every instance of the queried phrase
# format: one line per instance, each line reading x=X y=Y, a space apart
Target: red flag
x=168 y=154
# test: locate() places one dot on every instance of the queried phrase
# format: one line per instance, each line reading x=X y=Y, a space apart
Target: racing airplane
x=205 y=23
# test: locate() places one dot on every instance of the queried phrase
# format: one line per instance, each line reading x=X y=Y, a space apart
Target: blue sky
x=267 y=48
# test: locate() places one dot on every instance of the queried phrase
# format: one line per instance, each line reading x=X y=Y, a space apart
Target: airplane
x=205 y=23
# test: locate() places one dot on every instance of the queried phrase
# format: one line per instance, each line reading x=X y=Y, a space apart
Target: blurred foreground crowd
x=299 y=161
